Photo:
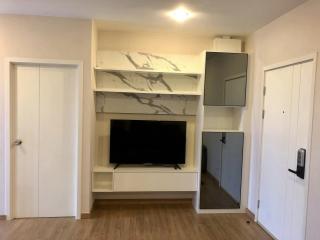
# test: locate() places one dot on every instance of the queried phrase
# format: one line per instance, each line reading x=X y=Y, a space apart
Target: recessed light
x=180 y=14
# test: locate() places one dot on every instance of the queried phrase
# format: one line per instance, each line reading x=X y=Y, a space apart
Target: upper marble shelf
x=147 y=71
x=141 y=62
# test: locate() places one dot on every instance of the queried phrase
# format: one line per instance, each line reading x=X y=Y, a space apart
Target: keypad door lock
x=301 y=163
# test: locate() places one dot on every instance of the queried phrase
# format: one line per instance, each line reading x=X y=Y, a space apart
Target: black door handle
x=299 y=172
x=223 y=138
x=292 y=171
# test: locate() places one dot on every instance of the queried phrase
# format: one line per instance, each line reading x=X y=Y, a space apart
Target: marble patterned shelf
x=145 y=83
x=116 y=90
x=142 y=62
x=146 y=71
x=146 y=103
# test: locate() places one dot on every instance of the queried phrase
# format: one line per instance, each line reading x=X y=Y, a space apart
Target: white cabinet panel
x=155 y=181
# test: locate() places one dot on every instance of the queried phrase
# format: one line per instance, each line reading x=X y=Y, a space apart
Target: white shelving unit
x=152 y=86
x=227 y=119
x=141 y=73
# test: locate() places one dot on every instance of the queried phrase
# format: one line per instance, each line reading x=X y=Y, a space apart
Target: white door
x=45 y=115
x=286 y=126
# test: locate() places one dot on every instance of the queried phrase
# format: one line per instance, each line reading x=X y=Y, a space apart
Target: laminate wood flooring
x=137 y=220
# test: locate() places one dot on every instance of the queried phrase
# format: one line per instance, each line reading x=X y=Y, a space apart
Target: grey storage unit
x=221 y=173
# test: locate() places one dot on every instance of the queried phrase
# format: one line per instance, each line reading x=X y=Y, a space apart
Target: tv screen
x=147 y=142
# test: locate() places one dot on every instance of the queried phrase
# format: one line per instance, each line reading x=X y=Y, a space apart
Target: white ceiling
x=211 y=17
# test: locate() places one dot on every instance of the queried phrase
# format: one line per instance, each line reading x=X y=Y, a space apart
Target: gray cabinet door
x=231 y=169
x=221 y=173
x=212 y=148
x=225 y=79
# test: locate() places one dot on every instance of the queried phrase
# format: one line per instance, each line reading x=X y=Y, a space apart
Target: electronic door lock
x=301 y=163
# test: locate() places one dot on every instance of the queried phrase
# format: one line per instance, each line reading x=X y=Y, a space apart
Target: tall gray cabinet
x=225 y=83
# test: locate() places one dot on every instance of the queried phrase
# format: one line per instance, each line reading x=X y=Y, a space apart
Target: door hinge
x=258 y=204
x=263 y=113
x=264 y=90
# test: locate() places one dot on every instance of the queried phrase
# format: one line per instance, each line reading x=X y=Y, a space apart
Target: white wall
x=153 y=42
x=49 y=38
x=293 y=35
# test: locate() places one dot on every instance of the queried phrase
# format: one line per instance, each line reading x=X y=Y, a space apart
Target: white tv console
x=144 y=179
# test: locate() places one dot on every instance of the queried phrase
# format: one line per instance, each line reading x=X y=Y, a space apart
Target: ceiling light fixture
x=180 y=14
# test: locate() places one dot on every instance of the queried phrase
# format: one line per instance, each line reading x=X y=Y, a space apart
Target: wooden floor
x=137 y=220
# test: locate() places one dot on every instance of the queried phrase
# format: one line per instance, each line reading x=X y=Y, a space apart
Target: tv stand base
x=176 y=167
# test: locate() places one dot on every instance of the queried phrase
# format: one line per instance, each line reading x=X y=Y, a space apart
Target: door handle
x=223 y=138
x=292 y=171
x=17 y=142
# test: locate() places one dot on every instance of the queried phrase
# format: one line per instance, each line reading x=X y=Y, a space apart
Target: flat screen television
x=147 y=142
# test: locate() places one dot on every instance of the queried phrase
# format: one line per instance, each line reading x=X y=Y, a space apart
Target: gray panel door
x=212 y=162
x=231 y=169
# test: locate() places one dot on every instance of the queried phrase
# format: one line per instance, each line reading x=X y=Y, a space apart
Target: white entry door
x=286 y=129
x=45 y=141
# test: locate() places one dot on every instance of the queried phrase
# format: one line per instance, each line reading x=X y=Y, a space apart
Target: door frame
x=308 y=58
x=8 y=128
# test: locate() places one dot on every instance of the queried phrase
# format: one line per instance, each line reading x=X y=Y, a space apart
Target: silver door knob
x=17 y=142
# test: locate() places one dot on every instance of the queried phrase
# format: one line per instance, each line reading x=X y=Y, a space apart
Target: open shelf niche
x=222 y=119
x=102 y=181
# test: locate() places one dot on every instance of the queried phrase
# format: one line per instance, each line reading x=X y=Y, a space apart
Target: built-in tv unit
x=147 y=142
